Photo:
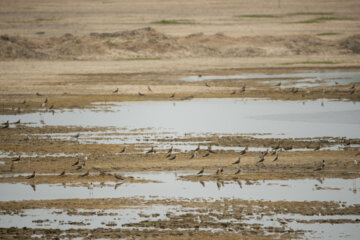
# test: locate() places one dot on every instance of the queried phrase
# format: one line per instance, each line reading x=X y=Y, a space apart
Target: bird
x=31 y=176
x=198 y=148
x=233 y=92
x=278 y=84
x=317 y=148
x=273 y=152
x=170 y=150
x=6 y=125
x=357 y=154
x=237 y=161
x=62 y=173
x=201 y=171
x=51 y=107
x=276 y=158
x=168 y=155
x=353 y=86
x=81 y=166
x=23 y=102
x=173 y=158
x=238 y=171
x=206 y=84
x=244 y=151
x=218 y=184
x=33 y=186
x=17 y=122
x=151 y=150
x=289 y=147
x=321 y=167
x=210 y=150
x=77 y=135
x=38 y=94
x=17 y=159
x=218 y=171
x=149 y=88
x=243 y=88
x=202 y=183
x=85 y=174
x=118 y=177
x=76 y=163
x=46 y=100
x=206 y=154
x=173 y=95
x=117 y=185
x=123 y=150
x=116 y=90
x=193 y=155
x=261 y=160
x=141 y=94
x=352 y=91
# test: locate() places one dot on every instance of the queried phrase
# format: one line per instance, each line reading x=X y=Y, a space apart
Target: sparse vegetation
x=310 y=62
x=321 y=19
x=327 y=34
x=257 y=16
x=310 y=13
x=138 y=59
x=174 y=21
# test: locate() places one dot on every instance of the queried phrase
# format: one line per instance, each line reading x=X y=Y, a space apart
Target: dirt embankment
x=149 y=43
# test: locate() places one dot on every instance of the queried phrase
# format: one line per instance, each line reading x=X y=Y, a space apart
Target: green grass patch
x=310 y=62
x=43 y=19
x=256 y=16
x=137 y=59
x=327 y=34
x=321 y=20
x=174 y=21
x=310 y=13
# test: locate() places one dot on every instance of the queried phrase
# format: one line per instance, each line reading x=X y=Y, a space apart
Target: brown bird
x=193 y=155
x=62 y=173
x=123 y=150
x=276 y=158
x=116 y=90
x=218 y=184
x=81 y=166
x=201 y=171
x=31 y=176
x=51 y=107
x=202 y=183
x=17 y=159
x=238 y=171
x=173 y=158
x=244 y=150
x=353 y=86
x=38 y=94
x=151 y=150
x=141 y=94
x=118 y=177
x=173 y=95
x=46 y=100
x=24 y=101
x=206 y=154
x=321 y=167
x=76 y=163
x=237 y=161
x=168 y=155
x=6 y=125
x=261 y=160
x=278 y=84
x=117 y=185
x=273 y=152
x=218 y=171
x=243 y=88
x=233 y=92
x=77 y=135
x=170 y=150
x=206 y=84
x=198 y=148
x=17 y=122
x=149 y=88
x=288 y=147
x=317 y=148
x=85 y=174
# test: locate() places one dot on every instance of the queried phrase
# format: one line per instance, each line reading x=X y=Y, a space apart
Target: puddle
x=170 y=187
x=310 y=79
x=284 y=119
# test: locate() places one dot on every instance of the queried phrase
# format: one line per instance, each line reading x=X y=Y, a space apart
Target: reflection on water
x=171 y=187
x=285 y=119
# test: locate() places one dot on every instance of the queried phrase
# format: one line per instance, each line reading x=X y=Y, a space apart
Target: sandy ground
x=76 y=53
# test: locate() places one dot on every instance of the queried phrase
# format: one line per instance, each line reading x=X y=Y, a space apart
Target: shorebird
x=168 y=155
x=85 y=174
x=244 y=150
x=353 y=86
x=151 y=150
x=116 y=90
x=352 y=91
x=46 y=100
x=193 y=155
x=141 y=94
x=278 y=84
x=38 y=94
x=233 y=92
x=289 y=147
x=261 y=160
x=317 y=148
x=51 y=107
x=276 y=158
x=202 y=183
x=201 y=171
x=33 y=186
x=170 y=150
x=23 y=102
x=31 y=176
x=6 y=124
x=17 y=122
x=210 y=150
x=117 y=185
x=206 y=154
x=17 y=159
x=321 y=167
x=243 y=88
x=76 y=163
x=238 y=171
x=80 y=167
x=118 y=177
x=76 y=136
x=206 y=84
x=149 y=88
x=173 y=95
x=62 y=173
x=237 y=161
x=218 y=184
x=198 y=148
x=219 y=171
x=123 y=150
x=173 y=158
x=273 y=152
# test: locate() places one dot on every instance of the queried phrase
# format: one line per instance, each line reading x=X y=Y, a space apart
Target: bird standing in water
x=201 y=171
x=31 y=176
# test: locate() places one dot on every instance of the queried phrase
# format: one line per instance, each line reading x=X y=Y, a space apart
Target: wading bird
x=173 y=158
x=141 y=94
x=62 y=173
x=201 y=171
x=118 y=177
x=198 y=148
x=173 y=95
x=206 y=154
x=238 y=171
x=31 y=176
x=244 y=150
x=17 y=159
x=116 y=90
x=170 y=150
x=85 y=174
x=276 y=158
x=237 y=161
x=152 y=150
x=123 y=150
x=210 y=150
x=149 y=88
x=193 y=155
x=321 y=167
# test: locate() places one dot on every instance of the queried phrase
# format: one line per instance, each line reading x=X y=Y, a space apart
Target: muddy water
x=287 y=119
x=171 y=187
x=309 y=79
